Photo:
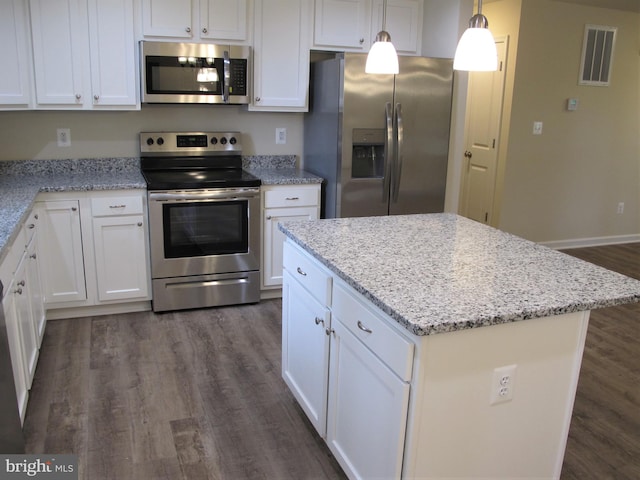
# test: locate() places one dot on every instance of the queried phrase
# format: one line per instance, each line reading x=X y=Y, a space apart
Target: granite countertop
x=22 y=180
x=439 y=273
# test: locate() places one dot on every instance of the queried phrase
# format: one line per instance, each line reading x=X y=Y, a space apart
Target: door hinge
x=494 y=143
x=486 y=217
x=500 y=65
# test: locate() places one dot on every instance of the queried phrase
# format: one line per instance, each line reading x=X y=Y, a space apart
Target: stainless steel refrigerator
x=380 y=141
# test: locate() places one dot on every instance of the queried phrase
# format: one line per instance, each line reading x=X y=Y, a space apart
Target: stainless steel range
x=204 y=222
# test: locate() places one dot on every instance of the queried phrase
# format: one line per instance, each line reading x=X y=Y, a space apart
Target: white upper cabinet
x=84 y=54
x=197 y=20
x=15 y=81
x=403 y=22
x=352 y=25
x=281 y=55
x=342 y=24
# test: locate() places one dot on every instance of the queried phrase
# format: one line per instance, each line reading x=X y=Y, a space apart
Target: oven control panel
x=190 y=143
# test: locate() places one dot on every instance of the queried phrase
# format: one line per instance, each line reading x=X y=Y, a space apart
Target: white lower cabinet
x=96 y=253
x=349 y=371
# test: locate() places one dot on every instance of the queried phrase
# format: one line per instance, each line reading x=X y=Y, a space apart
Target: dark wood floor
x=197 y=395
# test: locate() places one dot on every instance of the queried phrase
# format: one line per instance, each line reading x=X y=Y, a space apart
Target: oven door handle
x=241 y=194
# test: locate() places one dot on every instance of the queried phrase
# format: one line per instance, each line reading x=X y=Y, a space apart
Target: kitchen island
x=433 y=346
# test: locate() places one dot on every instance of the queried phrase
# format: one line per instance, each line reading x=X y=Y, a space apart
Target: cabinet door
x=120 y=251
x=404 y=24
x=274 y=240
x=167 y=18
x=58 y=29
x=34 y=285
x=305 y=350
x=367 y=409
x=18 y=363
x=224 y=20
x=281 y=55
x=342 y=25
x=113 y=67
x=24 y=318
x=62 y=266
x=15 y=81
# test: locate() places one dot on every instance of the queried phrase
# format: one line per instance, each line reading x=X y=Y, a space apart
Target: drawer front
x=307 y=273
x=372 y=330
x=109 y=206
x=296 y=196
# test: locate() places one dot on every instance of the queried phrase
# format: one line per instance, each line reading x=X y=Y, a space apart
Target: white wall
x=31 y=135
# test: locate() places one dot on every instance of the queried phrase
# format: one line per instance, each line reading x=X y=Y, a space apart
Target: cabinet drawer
x=108 y=206
x=372 y=330
x=307 y=273
x=295 y=196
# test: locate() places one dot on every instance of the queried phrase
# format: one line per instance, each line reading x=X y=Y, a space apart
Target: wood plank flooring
x=199 y=395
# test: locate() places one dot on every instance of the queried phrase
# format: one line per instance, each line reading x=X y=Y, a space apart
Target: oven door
x=200 y=232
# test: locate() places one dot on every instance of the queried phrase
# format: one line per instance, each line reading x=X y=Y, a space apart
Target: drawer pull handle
x=33 y=256
x=363 y=328
x=299 y=270
x=74 y=209
x=319 y=321
x=268 y=217
x=21 y=283
x=18 y=291
x=31 y=226
x=117 y=206
x=292 y=198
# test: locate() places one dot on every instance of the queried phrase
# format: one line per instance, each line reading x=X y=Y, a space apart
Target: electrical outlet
x=64 y=137
x=537 y=128
x=502 y=384
x=281 y=136
x=620 y=208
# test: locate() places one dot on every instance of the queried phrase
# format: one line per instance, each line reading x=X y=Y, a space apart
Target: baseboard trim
x=591 y=242
x=272 y=293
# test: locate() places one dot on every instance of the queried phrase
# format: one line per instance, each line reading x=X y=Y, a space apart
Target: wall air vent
x=597 y=55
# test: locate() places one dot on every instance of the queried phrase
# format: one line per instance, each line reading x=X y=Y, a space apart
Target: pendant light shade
x=382 y=57
x=476 y=50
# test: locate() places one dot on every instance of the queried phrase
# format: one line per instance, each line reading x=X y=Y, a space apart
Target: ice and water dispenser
x=367 y=159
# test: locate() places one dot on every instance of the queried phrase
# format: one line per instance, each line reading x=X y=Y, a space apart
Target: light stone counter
x=440 y=272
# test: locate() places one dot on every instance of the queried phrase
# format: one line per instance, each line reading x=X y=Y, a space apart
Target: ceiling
x=627 y=5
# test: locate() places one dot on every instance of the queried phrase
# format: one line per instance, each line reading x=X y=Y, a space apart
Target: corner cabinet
x=197 y=20
x=349 y=371
x=84 y=54
x=281 y=55
x=281 y=203
x=352 y=25
x=96 y=255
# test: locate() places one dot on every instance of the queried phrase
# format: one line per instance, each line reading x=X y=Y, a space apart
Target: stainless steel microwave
x=195 y=73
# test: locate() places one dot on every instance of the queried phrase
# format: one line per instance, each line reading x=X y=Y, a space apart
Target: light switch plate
x=537 y=128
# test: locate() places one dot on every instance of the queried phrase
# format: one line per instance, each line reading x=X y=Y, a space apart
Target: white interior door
x=484 y=115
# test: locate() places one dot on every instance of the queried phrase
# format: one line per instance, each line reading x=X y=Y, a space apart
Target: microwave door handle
x=388 y=146
x=398 y=157
x=227 y=77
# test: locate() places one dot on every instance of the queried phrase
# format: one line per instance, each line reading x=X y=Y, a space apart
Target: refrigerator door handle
x=388 y=146
x=399 y=130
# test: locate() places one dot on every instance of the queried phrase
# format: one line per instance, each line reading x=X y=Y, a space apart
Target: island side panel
x=453 y=431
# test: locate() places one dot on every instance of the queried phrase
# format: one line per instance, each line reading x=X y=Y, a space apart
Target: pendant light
x=476 y=50
x=382 y=57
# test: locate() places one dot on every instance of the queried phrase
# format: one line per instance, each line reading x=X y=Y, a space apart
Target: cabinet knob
x=205 y=31
x=139 y=224
x=78 y=96
x=35 y=216
x=21 y=283
x=96 y=97
x=361 y=40
x=33 y=255
x=329 y=331
x=74 y=209
x=18 y=291
x=257 y=99
x=319 y=321
x=268 y=217
x=31 y=226
x=188 y=29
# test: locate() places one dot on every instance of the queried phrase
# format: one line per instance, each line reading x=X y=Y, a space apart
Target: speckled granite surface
x=278 y=170
x=441 y=272
x=21 y=181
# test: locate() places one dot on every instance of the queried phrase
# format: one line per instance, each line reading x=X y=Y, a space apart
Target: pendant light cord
x=384 y=14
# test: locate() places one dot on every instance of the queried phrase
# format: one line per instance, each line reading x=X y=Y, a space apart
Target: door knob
x=468 y=154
